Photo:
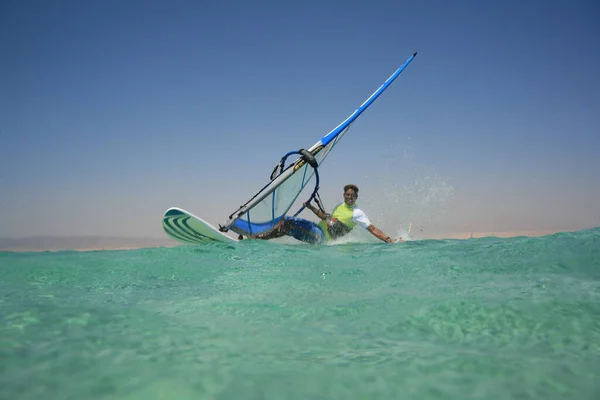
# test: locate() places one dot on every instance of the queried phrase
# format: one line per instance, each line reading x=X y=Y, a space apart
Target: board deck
x=187 y=228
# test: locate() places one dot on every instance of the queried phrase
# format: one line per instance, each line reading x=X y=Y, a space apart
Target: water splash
x=408 y=191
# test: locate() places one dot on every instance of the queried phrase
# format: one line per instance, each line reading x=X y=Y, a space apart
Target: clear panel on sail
x=267 y=213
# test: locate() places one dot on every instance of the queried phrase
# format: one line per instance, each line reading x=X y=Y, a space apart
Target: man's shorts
x=305 y=230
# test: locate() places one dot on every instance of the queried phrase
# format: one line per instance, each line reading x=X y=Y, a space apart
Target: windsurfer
x=340 y=222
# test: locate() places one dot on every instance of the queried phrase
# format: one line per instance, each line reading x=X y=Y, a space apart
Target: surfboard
x=185 y=227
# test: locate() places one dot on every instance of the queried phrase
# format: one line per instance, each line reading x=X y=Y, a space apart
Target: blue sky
x=113 y=111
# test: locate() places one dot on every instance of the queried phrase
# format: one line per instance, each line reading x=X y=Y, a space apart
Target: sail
x=265 y=209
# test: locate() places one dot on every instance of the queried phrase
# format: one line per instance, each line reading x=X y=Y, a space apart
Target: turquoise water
x=484 y=318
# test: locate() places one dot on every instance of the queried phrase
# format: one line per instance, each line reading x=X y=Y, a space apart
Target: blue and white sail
x=265 y=209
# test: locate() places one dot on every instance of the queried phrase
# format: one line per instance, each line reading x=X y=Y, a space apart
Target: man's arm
x=315 y=210
x=381 y=236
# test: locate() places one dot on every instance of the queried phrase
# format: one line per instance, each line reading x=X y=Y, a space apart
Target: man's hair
x=351 y=186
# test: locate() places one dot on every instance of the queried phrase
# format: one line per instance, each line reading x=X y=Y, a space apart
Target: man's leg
x=299 y=228
x=281 y=229
x=305 y=231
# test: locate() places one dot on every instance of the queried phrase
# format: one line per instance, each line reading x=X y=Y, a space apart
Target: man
x=340 y=222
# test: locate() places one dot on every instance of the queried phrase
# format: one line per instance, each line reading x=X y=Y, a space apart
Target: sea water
x=488 y=318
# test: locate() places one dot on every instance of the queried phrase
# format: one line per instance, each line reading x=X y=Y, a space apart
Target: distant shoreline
x=499 y=234
x=83 y=243
x=98 y=243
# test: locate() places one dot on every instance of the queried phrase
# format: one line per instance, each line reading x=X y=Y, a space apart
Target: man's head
x=350 y=194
